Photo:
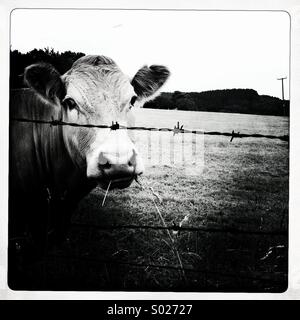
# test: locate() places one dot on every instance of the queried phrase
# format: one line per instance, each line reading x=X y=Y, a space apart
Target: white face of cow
x=95 y=91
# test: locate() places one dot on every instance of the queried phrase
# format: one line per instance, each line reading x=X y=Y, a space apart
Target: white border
x=292 y=7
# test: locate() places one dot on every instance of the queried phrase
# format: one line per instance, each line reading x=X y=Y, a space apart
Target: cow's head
x=95 y=91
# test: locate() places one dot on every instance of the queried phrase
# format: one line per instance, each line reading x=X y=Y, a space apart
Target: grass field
x=243 y=184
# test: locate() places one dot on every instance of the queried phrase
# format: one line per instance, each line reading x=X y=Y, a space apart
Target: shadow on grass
x=98 y=260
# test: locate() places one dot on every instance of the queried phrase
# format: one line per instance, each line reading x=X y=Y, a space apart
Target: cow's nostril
x=130 y=164
x=107 y=165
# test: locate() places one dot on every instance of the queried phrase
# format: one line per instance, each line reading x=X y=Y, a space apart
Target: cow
x=51 y=168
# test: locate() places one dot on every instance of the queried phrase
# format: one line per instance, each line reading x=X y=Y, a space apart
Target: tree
x=19 y=61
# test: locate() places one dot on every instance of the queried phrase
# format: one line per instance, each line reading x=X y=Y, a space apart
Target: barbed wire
x=177 y=129
x=184 y=228
x=256 y=276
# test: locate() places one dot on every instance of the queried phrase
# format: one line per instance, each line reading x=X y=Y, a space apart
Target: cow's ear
x=45 y=80
x=148 y=80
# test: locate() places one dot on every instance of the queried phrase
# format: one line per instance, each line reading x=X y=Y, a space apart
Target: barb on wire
x=115 y=126
x=237 y=135
x=177 y=129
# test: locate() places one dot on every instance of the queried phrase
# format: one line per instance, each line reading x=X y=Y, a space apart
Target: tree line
x=227 y=100
x=62 y=61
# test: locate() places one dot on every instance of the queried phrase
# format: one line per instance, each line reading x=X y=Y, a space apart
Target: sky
x=204 y=50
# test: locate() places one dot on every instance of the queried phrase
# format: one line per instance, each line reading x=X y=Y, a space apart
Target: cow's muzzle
x=119 y=173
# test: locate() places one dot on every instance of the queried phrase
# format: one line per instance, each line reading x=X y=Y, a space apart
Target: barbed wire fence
x=177 y=129
x=257 y=276
x=176 y=229
x=254 y=276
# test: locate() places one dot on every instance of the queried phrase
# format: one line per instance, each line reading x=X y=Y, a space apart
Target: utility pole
x=282 y=88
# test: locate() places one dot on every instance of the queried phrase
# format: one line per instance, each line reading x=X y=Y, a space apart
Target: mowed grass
x=243 y=184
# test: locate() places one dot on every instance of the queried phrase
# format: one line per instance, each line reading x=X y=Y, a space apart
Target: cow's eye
x=70 y=103
x=132 y=101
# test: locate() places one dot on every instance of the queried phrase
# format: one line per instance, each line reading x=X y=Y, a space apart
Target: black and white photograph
x=149 y=150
